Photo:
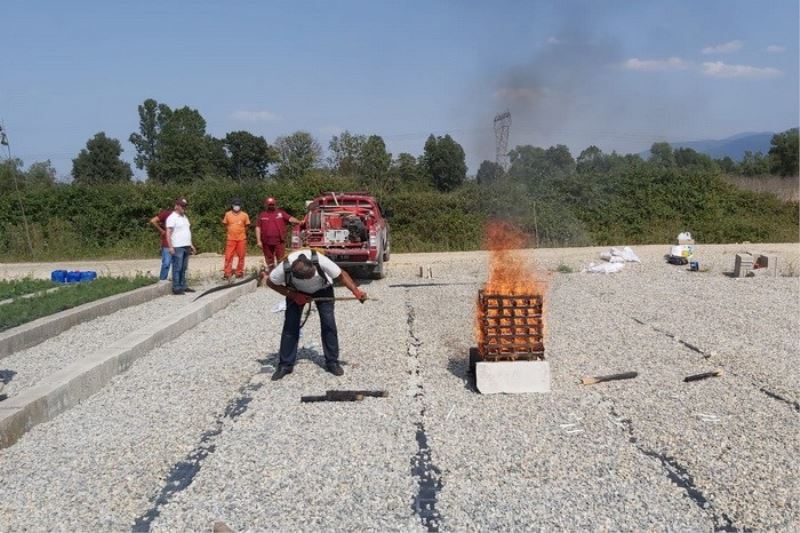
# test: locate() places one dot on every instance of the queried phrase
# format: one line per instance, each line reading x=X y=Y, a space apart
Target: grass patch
x=564 y=268
x=19 y=287
x=20 y=312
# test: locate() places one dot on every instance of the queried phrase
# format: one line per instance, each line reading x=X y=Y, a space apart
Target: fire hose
x=248 y=279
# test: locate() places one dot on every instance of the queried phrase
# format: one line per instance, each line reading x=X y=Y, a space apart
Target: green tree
x=538 y=167
x=687 y=157
x=184 y=151
x=754 y=164
x=661 y=154
x=100 y=163
x=783 y=153
x=40 y=174
x=173 y=145
x=298 y=153
x=346 y=153
x=444 y=162
x=249 y=156
x=10 y=169
x=590 y=160
x=375 y=162
x=560 y=160
x=488 y=172
x=152 y=116
x=727 y=165
x=408 y=172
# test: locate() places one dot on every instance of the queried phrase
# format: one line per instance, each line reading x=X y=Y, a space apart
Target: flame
x=509 y=275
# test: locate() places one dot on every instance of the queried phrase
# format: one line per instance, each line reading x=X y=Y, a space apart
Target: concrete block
x=512 y=377
x=742 y=265
x=767 y=265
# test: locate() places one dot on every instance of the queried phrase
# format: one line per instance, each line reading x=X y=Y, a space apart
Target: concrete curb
x=73 y=384
x=32 y=333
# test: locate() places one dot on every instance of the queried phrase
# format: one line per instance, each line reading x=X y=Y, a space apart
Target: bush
x=635 y=204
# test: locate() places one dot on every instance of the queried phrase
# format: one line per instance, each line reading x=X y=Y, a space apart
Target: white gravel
x=652 y=453
x=31 y=365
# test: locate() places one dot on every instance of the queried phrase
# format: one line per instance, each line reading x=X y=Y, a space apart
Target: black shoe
x=335 y=369
x=281 y=371
x=177 y=293
x=187 y=289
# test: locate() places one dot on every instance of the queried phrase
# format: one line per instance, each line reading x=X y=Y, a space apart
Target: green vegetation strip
x=20 y=287
x=20 y=312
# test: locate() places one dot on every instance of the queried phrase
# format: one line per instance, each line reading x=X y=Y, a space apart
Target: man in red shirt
x=160 y=223
x=271 y=231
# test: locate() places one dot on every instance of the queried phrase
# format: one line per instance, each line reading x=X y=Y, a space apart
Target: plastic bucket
x=58 y=276
x=89 y=275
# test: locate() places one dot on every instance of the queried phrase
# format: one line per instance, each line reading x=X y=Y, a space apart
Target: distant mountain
x=734 y=146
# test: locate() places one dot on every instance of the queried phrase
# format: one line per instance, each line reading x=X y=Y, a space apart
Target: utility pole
x=12 y=169
x=502 y=126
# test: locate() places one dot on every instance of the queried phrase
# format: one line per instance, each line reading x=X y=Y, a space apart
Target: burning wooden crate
x=511 y=327
x=509 y=357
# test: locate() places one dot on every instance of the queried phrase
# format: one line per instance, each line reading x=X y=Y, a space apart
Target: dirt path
x=716 y=257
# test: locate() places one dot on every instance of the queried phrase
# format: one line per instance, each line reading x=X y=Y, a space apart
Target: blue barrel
x=74 y=276
x=89 y=275
x=58 y=276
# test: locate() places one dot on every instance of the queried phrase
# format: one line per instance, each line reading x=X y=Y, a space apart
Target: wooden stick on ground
x=590 y=380
x=364 y=393
x=704 y=375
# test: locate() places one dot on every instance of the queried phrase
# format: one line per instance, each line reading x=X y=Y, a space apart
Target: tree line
x=596 y=198
x=172 y=146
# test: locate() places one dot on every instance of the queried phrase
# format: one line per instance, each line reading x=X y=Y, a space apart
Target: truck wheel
x=386 y=253
x=379 y=271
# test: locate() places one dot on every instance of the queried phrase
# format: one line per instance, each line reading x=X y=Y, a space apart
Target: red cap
x=269 y=201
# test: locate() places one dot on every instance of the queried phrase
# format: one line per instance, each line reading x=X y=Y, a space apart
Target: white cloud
x=724 y=48
x=718 y=69
x=775 y=49
x=553 y=40
x=671 y=63
x=254 y=116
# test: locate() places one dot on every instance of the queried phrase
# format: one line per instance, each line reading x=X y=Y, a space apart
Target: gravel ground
x=27 y=367
x=650 y=453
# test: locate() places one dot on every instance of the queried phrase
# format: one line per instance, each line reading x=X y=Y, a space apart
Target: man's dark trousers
x=291 y=329
x=180 y=260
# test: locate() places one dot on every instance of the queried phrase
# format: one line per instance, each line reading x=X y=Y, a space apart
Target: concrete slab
x=512 y=377
x=78 y=381
x=40 y=330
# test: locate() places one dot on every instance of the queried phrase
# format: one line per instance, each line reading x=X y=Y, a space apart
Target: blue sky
x=620 y=75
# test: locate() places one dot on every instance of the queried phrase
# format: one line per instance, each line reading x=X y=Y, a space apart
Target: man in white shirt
x=303 y=276
x=179 y=237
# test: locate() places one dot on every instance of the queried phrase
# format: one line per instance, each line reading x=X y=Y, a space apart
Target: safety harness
x=287 y=273
x=287 y=269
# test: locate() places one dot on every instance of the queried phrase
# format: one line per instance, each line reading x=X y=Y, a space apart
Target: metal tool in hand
x=307 y=312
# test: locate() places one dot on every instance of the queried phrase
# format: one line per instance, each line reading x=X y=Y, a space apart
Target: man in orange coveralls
x=236 y=222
